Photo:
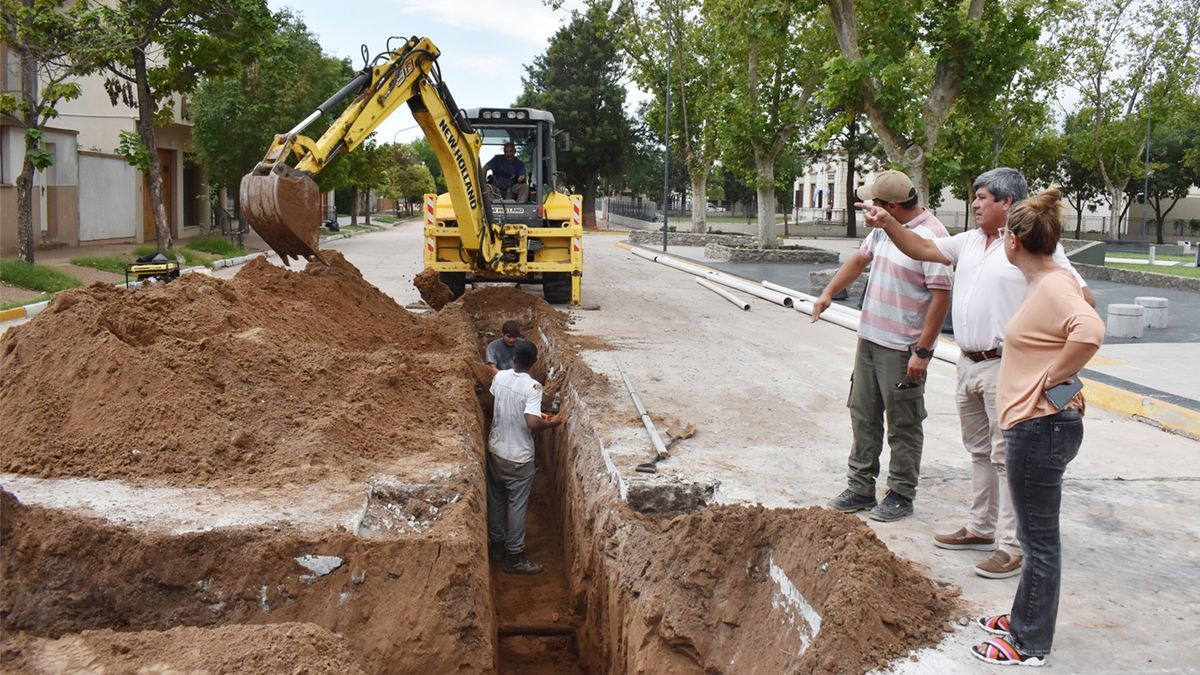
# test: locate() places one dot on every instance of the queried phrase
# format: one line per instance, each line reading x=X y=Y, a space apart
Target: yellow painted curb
x=10 y=314
x=1169 y=416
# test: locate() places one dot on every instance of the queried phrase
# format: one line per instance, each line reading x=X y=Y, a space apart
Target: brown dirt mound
x=715 y=583
x=282 y=648
x=272 y=377
x=435 y=294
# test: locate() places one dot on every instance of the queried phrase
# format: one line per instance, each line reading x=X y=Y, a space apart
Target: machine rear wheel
x=455 y=281
x=556 y=287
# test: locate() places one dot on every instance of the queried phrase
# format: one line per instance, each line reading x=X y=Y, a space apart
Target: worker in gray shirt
x=500 y=351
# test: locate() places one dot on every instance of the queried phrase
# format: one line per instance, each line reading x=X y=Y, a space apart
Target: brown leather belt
x=982 y=356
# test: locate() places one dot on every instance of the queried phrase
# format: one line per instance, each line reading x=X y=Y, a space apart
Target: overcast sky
x=485 y=45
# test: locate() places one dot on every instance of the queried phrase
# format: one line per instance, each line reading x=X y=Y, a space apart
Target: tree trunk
x=1116 y=197
x=920 y=179
x=162 y=227
x=367 y=208
x=851 y=159
x=26 y=246
x=1078 y=218
x=700 y=202
x=969 y=216
x=589 y=201
x=25 y=243
x=353 y=206
x=765 y=170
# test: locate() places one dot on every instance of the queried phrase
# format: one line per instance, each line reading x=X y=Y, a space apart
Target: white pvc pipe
x=742 y=304
x=751 y=288
x=836 y=318
x=847 y=317
x=788 y=297
x=712 y=275
x=669 y=261
x=810 y=299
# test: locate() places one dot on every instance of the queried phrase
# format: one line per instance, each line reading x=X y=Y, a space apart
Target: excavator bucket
x=283 y=206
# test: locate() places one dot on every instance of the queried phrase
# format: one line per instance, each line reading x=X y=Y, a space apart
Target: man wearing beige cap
x=987 y=291
x=903 y=310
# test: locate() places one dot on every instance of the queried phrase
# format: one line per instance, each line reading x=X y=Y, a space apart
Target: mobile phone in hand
x=1061 y=394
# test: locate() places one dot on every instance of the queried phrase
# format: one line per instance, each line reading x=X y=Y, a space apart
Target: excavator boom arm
x=282 y=203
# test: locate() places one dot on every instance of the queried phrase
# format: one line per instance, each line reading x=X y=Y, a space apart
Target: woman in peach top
x=1048 y=341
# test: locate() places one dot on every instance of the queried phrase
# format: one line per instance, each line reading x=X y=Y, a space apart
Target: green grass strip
x=112 y=263
x=1192 y=272
x=216 y=245
x=21 y=303
x=36 y=277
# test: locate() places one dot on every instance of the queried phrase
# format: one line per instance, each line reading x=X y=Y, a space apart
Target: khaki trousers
x=874 y=398
x=991 y=502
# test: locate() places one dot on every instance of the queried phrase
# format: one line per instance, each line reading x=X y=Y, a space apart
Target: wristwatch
x=923 y=353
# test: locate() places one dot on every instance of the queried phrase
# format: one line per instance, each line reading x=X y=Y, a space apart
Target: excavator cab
x=531 y=132
x=541 y=237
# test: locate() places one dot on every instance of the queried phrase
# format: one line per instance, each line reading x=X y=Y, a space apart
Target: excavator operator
x=509 y=175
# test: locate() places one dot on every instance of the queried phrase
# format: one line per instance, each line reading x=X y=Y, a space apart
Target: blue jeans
x=1038 y=453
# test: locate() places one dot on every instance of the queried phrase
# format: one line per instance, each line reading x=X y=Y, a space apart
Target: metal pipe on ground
x=660 y=448
x=742 y=304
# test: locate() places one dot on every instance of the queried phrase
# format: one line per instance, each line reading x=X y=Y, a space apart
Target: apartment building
x=90 y=194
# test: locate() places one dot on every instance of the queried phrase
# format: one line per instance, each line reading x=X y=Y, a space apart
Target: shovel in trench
x=675 y=431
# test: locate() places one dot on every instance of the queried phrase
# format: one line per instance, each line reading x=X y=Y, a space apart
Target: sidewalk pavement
x=1139 y=378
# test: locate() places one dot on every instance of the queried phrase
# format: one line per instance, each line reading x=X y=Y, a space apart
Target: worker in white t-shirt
x=516 y=414
x=987 y=291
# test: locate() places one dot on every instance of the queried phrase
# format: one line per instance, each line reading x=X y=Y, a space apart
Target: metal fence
x=229 y=224
x=633 y=207
x=952 y=219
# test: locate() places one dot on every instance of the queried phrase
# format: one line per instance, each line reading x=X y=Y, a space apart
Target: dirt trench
x=316 y=502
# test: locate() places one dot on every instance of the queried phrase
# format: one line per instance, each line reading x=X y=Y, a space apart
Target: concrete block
x=1125 y=320
x=666 y=495
x=1155 y=314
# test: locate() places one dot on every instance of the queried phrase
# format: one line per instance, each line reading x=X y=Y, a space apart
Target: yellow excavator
x=474 y=232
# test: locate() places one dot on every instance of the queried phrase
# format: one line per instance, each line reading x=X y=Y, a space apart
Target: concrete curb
x=234 y=262
x=1162 y=414
x=1166 y=416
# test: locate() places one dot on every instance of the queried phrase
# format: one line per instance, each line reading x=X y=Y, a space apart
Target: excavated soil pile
x=435 y=294
x=272 y=381
x=417 y=604
x=271 y=378
x=282 y=648
x=275 y=379
x=712 y=587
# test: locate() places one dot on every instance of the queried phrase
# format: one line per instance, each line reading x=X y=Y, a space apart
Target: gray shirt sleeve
x=492 y=354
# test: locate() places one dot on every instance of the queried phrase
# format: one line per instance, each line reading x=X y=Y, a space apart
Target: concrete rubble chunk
x=319 y=565
x=669 y=495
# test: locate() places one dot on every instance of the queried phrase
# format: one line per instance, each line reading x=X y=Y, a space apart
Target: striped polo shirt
x=898 y=294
